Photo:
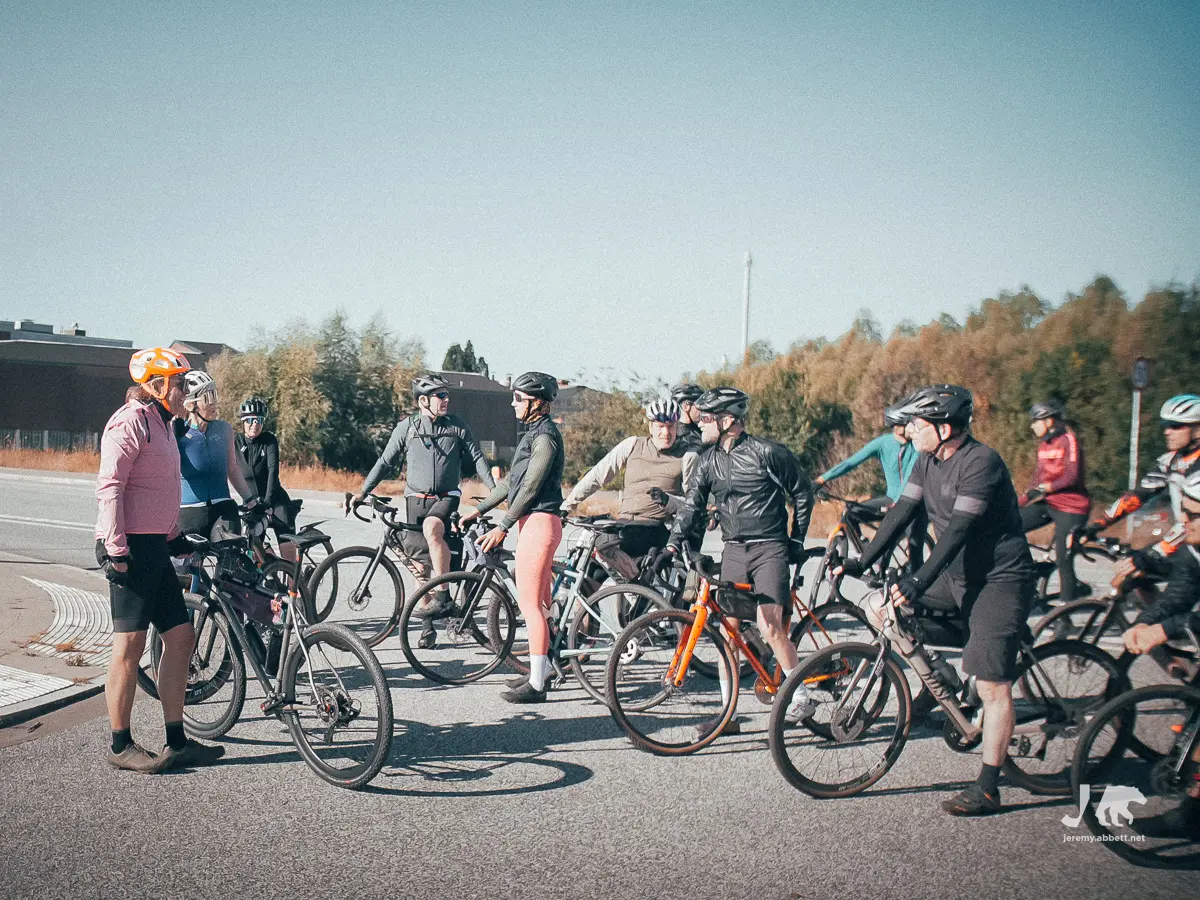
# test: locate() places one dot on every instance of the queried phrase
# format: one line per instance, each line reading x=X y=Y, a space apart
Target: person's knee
x=770 y=620
x=180 y=638
x=128 y=647
x=434 y=529
x=994 y=691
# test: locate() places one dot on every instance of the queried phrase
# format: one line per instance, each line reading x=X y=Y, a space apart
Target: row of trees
x=336 y=391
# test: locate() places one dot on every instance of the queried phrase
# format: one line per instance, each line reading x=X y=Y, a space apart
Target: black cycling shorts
x=763 y=564
x=214 y=521
x=996 y=619
x=636 y=539
x=421 y=508
x=151 y=594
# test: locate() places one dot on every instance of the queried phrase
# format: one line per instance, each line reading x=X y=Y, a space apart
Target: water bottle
x=943 y=671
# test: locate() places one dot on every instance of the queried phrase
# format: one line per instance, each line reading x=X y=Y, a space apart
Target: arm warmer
x=949 y=543
x=482 y=470
x=498 y=495
x=601 y=473
x=541 y=462
x=392 y=456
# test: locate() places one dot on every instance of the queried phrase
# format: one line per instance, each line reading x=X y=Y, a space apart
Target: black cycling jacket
x=259 y=461
x=1177 y=608
x=751 y=484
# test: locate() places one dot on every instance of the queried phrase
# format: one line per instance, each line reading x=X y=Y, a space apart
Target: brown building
x=486 y=405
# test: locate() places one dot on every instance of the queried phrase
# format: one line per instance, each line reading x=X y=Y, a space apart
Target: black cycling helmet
x=686 y=393
x=537 y=384
x=1047 y=409
x=727 y=400
x=939 y=403
x=255 y=406
x=429 y=383
x=895 y=415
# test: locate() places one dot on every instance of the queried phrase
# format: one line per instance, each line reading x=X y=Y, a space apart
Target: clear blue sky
x=573 y=186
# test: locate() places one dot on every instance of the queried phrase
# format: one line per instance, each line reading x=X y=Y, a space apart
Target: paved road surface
x=485 y=800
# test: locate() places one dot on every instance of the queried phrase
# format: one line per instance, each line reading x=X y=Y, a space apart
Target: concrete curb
x=38 y=706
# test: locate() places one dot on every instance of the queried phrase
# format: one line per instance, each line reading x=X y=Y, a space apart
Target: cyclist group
x=159 y=480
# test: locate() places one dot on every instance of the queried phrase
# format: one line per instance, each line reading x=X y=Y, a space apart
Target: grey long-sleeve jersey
x=436 y=451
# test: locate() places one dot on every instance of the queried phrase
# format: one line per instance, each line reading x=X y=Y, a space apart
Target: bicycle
x=313 y=546
x=365 y=580
x=847 y=540
x=327 y=687
x=1109 y=781
x=582 y=625
x=670 y=678
x=1080 y=545
x=863 y=709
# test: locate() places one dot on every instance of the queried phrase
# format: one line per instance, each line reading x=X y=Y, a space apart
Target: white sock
x=539 y=666
x=800 y=695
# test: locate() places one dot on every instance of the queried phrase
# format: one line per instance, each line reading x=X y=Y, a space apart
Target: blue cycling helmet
x=1182 y=409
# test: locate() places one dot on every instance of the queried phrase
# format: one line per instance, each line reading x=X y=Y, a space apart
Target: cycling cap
x=1183 y=409
x=1191 y=486
x=724 y=400
x=938 y=403
x=662 y=411
x=1049 y=409
x=429 y=383
x=536 y=384
x=197 y=382
x=147 y=364
x=255 y=406
x=686 y=393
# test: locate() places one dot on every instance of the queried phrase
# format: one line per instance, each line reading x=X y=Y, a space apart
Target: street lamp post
x=746 y=309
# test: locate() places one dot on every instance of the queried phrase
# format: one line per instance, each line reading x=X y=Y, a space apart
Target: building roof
x=57 y=353
x=202 y=348
x=473 y=381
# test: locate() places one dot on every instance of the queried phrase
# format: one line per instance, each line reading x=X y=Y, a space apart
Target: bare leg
x=770 y=623
x=173 y=668
x=999 y=719
x=122 y=677
x=434 y=530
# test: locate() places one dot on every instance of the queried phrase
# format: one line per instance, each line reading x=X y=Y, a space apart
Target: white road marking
x=48 y=523
x=82 y=624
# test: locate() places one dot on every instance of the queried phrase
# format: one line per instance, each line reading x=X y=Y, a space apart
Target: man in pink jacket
x=138 y=492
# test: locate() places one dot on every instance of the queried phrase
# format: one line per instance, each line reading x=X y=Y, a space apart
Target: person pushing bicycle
x=981 y=560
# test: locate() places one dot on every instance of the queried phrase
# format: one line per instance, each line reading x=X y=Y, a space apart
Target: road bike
x=863 y=708
x=671 y=681
x=321 y=680
x=361 y=587
x=1112 y=778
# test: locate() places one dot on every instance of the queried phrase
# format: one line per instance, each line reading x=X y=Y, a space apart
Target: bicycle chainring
x=764 y=693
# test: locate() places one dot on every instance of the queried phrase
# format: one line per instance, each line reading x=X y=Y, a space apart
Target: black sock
x=121 y=739
x=989 y=778
x=176 y=739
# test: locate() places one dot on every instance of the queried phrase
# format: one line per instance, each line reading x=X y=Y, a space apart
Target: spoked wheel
x=472 y=640
x=216 y=678
x=1057 y=691
x=831 y=623
x=337 y=705
x=597 y=623
x=664 y=708
x=358 y=587
x=859 y=724
x=1087 y=620
x=1131 y=803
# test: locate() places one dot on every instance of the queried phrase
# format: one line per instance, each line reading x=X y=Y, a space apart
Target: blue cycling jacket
x=897 y=460
x=204 y=463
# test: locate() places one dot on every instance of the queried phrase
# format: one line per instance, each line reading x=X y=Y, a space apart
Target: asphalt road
x=480 y=799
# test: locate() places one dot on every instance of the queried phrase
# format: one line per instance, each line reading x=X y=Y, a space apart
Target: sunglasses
x=253 y=420
x=518 y=398
x=706 y=418
x=442 y=395
x=1190 y=516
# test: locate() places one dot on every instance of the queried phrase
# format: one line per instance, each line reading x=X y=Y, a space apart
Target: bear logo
x=1114 y=805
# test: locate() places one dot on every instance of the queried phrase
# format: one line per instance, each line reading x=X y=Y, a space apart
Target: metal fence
x=42 y=439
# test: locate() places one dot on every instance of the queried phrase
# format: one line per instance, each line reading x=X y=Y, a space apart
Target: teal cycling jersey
x=896 y=458
x=204 y=463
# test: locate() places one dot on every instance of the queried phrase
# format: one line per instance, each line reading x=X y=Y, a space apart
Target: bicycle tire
x=293 y=687
x=1140 y=774
x=835 y=553
x=371 y=618
x=205 y=715
x=630 y=707
x=1043 y=593
x=1062 y=714
x=829 y=672
x=198 y=689
x=586 y=633
x=310 y=561
x=470 y=644
x=1084 y=620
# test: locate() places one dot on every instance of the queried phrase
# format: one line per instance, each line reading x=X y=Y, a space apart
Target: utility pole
x=746 y=309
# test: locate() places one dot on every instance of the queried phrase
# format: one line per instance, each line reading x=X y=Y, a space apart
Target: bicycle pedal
x=273 y=705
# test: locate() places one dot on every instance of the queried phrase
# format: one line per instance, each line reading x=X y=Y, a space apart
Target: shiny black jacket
x=1177 y=608
x=751 y=485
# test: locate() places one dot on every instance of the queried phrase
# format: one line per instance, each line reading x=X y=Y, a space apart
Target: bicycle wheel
x=1057 y=690
x=595 y=626
x=472 y=640
x=858 y=729
x=1099 y=622
x=830 y=623
x=366 y=595
x=826 y=587
x=337 y=705
x=659 y=715
x=1112 y=783
x=311 y=558
x=216 y=678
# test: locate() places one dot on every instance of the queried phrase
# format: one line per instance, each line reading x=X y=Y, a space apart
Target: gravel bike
x=1112 y=779
x=321 y=680
x=863 y=708
x=671 y=679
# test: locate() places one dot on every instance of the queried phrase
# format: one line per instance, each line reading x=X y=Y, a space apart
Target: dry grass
x=76 y=661
x=66 y=647
x=51 y=460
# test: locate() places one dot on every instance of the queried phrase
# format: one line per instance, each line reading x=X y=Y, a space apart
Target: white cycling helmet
x=1191 y=486
x=662 y=411
x=1182 y=409
x=197 y=383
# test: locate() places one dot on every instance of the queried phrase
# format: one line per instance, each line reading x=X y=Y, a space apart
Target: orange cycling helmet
x=155 y=362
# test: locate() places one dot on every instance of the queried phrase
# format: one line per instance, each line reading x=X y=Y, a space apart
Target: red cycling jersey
x=1060 y=465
